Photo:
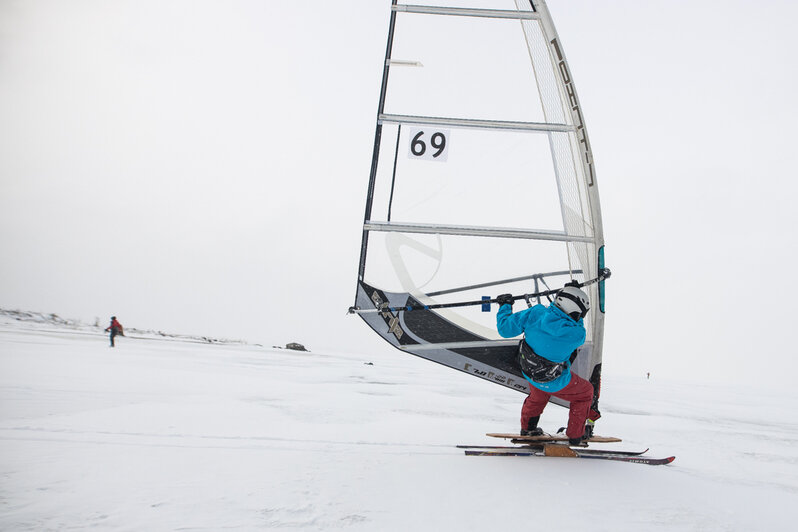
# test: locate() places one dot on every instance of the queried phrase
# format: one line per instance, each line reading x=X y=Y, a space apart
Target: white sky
x=201 y=167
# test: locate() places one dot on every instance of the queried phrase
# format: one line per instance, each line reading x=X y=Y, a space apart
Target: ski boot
x=582 y=440
x=532 y=428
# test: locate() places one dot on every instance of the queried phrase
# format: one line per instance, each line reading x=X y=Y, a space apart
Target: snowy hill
x=174 y=434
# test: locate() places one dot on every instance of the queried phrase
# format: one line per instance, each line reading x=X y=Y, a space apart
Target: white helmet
x=572 y=301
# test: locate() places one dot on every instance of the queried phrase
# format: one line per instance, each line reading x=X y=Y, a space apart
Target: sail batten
x=466 y=12
x=496 y=232
x=475 y=123
x=460 y=345
x=537 y=277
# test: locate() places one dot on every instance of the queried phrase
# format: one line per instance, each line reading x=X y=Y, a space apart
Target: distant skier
x=551 y=336
x=115 y=328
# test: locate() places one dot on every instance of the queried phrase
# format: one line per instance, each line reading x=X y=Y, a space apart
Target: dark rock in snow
x=295 y=346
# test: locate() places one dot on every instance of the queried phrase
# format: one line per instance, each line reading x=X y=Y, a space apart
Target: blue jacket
x=549 y=331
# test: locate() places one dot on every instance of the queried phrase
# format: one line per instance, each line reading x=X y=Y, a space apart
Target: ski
x=576 y=454
x=540 y=448
x=548 y=438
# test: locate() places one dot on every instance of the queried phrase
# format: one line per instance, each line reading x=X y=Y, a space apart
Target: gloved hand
x=504 y=299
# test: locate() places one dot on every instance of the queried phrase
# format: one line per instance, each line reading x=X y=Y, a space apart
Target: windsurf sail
x=482 y=182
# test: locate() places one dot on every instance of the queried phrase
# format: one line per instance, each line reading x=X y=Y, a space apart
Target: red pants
x=580 y=394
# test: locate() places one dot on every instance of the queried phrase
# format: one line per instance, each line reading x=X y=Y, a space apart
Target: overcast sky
x=200 y=167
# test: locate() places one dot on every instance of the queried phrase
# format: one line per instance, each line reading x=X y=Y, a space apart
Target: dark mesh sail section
x=426 y=328
x=435 y=329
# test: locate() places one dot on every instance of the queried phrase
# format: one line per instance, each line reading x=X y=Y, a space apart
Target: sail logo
x=391 y=320
x=576 y=111
x=500 y=378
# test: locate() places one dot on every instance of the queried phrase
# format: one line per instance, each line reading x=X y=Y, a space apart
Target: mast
x=377 y=141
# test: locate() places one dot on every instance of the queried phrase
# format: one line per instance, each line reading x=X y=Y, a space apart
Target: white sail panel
x=471 y=67
x=490 y=178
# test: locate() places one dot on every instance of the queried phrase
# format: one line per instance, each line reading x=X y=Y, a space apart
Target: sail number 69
x=428 y=144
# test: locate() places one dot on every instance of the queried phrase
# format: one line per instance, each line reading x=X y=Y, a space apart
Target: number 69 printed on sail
x=428 y=143
x=514 y=209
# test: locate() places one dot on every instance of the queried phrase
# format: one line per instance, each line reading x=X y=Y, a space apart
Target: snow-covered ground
x=167 y=434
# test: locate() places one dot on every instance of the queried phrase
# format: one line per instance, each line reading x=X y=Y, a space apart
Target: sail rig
x=482 y=182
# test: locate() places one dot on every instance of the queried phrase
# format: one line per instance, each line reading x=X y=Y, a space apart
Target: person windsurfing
x=552 y=335
x=115 y=328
